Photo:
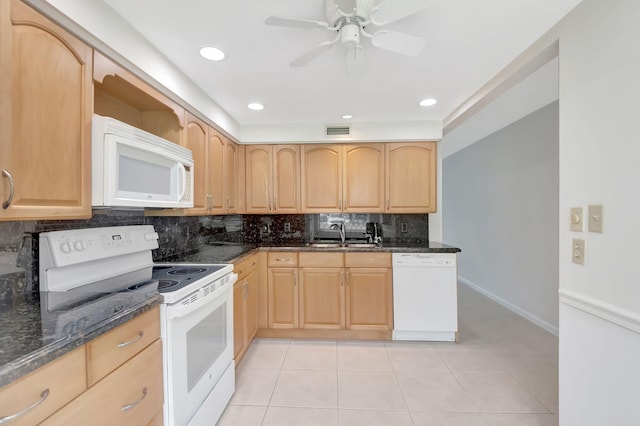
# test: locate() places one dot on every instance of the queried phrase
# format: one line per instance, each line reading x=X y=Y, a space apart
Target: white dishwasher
x=425 y=296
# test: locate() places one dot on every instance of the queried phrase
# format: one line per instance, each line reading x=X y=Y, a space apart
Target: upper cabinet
x=411 y=177
x=45 y=118
x=195 y=139
x=343 y=178
x=124 y=96
x=272 y=179
x=216 y=173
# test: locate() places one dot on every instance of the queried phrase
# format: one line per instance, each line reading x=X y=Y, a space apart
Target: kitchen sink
x=330 y=244
x=362 y=245
x=325 y=245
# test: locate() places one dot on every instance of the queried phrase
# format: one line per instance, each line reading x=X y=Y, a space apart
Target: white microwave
x=133 y=168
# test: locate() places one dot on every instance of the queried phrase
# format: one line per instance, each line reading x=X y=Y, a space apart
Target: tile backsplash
x=182 y=235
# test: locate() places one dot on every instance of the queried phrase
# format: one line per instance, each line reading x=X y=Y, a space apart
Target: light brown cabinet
x=195 y=139
x=53 y=385
x=282 y=290
x=369 y=291
x=335 y=291
x=411 y=177
x=272 y=179
x=343 y=178
x=245 y=305
x=113 y=379
x=216 y=171
x=45 y=118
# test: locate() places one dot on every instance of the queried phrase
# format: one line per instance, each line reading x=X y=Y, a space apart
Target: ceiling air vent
x=337 y=131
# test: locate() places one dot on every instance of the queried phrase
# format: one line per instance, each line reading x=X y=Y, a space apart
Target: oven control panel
x=83 y=245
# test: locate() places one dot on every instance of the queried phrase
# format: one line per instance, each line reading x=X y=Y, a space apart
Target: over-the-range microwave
x=133 y=168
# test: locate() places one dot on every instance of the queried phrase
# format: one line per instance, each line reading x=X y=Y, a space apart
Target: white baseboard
x=510 y=306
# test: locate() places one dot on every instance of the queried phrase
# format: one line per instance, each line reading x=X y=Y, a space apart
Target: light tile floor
x=503 y=372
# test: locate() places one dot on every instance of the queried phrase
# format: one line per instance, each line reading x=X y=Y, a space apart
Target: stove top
x=179 y=281
x=174 y=277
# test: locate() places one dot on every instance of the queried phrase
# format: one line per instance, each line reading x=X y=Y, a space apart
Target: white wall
x=500 y=203
x=599 y=152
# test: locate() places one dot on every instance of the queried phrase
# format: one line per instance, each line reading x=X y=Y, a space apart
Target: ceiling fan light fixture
x=212 y=53
x=255 y=106
x=428 y=102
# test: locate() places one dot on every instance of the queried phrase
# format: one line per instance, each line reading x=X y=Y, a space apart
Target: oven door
x=198 y=348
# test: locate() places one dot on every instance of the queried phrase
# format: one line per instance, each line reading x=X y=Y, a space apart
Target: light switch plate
x=595 y=218
x=578 y=251
x=576 y=219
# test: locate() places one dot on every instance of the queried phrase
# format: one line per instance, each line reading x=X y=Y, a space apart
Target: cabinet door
x=258 y=178
x=282 y=287
x=45 y=117
x=216 y=171
x=322 y=301
x=286 y=178
x=321 y=187
x=369 y=299
x=411 y=177
x=238 y=319
x=195 y=139
x=231 y=162
x=251 y=306
x=363 y=188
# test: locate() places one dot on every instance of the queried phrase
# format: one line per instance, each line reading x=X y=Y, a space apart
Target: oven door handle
x=179 y=310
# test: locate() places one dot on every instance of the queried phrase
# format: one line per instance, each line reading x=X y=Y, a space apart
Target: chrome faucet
x=341 y=229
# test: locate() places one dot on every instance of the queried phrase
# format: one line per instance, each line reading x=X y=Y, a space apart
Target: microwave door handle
x=183 y=172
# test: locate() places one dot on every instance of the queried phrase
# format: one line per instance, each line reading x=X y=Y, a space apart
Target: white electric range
x=80 y=268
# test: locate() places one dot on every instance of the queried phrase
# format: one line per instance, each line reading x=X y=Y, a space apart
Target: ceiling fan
x=350 y=25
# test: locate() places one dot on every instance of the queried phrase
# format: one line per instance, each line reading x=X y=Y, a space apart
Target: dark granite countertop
x=224 y=252
x=37 y=328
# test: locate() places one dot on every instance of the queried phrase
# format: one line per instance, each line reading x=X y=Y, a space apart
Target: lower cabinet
x=113 y=379
x=330 y=291
x=245 y=305
x=282 y=290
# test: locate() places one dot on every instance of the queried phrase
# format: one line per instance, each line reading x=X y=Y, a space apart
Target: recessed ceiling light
x=255 y=106
x=347 y=116
x=212 y=53
x=428 y=102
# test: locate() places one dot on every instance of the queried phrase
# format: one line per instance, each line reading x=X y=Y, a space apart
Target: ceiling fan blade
x=394 y=10
x=355 y=61
x=296 y=23
x=313 y=53
x=404 y=44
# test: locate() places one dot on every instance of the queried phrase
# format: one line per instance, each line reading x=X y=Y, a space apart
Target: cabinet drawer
x=365 y=260
x=131 y=395
x=109 y=351
x=64 y=378
x=246 y=266
x=321 y=260
x=282 y=258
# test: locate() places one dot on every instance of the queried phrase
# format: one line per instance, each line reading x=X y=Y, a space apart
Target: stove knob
x=79 y=245
x=65 y=247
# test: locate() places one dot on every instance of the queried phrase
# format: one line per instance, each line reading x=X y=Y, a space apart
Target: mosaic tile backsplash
x=179 y=236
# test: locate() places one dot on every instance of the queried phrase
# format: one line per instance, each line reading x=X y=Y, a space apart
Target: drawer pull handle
x=7 y=203
x=252 y=264
x=286 y=259
x=133 y=404
x=130 y=342
x=43 y=395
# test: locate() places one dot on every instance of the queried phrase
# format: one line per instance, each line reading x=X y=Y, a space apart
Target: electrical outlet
x=404 y=228
x=595 y=218
x=578 y=251
x=576 y=219
x=287 y=227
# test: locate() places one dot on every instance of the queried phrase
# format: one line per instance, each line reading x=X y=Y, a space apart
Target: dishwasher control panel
x=424 y=259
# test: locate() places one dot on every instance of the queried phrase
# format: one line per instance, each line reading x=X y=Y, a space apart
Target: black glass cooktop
x=172 y=278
